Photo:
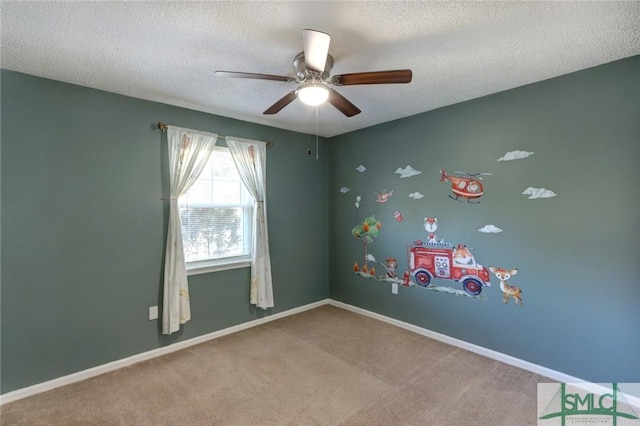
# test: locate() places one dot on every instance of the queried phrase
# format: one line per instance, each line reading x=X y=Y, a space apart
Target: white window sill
x=206 y=266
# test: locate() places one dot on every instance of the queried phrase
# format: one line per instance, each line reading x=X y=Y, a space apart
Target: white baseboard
x=105 y=368
x=498 y=356
x=115 y=365
x=507 y=359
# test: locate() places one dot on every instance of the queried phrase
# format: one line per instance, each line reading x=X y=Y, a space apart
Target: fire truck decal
x=427 y=261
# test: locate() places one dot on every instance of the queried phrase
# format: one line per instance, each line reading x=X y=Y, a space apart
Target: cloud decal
x=515 y=155
x=416 y=195
x=407 y=172
x=490 y=229
x=344 y=189
x=534 y=193
x=361 y=168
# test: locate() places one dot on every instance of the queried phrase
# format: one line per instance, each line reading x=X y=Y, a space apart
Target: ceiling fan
x=313 y=66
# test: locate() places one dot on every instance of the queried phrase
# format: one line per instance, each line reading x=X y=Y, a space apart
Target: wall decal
x=444 y=261
x=426 y=261
x=383 y=197
x=344 y=189
x=534 y=193
x=515 y=155
x=469 y=186
x=361 y=168
x=397 y=216
x=391 y=266
x=462 y=255
x=366 y=232
x=490 y=229
x=507 y=290
x=357 y=203
x=431 y=226
x=416 y=195
x=407 y=172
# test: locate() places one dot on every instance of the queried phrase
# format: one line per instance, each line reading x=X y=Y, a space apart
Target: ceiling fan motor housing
x=303 y=73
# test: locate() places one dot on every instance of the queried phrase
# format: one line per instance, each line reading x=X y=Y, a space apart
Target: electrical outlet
x=394 y=288
x=153 y=312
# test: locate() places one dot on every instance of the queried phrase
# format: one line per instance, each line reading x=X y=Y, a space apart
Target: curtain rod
x=163 y=126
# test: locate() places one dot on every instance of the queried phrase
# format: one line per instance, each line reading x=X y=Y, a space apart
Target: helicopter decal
x=467 y=186
x=383 y=197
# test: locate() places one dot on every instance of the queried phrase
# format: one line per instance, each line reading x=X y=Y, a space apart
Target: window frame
x=204 y=266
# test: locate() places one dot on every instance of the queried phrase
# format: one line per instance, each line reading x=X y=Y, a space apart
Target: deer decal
x=507 y=290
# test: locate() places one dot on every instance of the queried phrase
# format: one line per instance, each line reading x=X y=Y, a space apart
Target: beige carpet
x=326 y=366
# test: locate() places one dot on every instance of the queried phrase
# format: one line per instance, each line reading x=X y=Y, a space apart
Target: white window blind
x=216 y=215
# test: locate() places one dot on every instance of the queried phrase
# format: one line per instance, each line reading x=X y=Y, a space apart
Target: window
x=216 y=216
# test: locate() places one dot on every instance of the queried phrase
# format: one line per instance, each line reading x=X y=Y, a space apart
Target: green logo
x=580 y=406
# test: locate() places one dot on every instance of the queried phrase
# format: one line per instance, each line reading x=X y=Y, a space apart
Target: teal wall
x=577 y=253
x=83 y=225
x=83 y=228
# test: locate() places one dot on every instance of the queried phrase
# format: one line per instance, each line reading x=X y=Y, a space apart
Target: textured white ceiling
x=167 y=51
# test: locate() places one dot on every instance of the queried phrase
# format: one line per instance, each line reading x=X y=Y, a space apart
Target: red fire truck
x=442 y=260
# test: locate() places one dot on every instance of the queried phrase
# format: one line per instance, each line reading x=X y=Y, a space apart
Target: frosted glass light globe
x=313 y=94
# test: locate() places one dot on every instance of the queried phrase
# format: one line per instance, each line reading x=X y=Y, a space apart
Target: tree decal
x=366 y=231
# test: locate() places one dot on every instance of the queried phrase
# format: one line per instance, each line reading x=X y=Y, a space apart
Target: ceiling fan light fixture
x=313 y=94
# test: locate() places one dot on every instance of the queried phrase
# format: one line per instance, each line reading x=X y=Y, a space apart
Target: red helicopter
x=469 y=186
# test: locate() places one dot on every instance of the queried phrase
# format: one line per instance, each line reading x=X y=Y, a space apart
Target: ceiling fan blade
x=373 y=77
x=281 y=103
x=342 y=104
x=316 y=49
x=234 y=74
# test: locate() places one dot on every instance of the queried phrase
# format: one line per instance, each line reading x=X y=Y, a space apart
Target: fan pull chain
x=316 y=132
x=308 y=133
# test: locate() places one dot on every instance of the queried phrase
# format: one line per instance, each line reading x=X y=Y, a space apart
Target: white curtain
x=189 y=152
x=250 y=158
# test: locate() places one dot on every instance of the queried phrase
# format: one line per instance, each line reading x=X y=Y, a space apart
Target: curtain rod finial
x=162 y=126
